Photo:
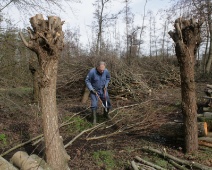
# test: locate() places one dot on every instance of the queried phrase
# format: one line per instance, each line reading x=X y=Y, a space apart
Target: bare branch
x=24 y=40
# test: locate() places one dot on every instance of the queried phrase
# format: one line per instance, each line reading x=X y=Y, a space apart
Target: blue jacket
x=97 y=81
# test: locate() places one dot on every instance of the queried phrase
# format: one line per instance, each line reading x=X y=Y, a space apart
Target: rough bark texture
x=187 y=39
x=46 y=40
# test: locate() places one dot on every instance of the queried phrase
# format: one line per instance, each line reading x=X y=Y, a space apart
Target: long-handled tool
x=105 y=96
x=101 y=101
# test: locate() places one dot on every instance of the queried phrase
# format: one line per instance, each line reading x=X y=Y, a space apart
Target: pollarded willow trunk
x=46 y=40
x=187 y=39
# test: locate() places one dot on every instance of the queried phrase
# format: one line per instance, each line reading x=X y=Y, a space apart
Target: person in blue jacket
x=97 y=82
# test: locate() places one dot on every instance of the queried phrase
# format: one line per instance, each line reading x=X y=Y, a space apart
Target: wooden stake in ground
x=46 y=40
x=187 y=40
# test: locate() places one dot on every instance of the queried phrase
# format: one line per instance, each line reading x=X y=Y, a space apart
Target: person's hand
x=105 y=88
x=94 y=91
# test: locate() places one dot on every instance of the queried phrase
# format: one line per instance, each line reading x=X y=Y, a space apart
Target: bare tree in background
x=34 y=6
x=104 y=20
x=206 y=6
x=46 y=40
x=99 y=15
x=150 y=14
x=142 y=29
x=187 y=40
x=199 y=9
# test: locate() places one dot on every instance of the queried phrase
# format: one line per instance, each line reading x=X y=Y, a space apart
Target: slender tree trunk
x=100 y=22
x=209 y=12
x=163 y=41
x=127 y=29
x=209 y=61
x=187 y=40
x=206 y=53
x=150 y=33
x=142 y=30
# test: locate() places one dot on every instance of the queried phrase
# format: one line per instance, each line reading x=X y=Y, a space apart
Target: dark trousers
x=94 y=99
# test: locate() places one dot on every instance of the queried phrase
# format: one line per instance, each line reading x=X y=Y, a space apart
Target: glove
x=94 y=91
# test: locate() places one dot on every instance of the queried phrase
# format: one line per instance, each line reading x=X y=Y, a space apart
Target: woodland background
x=144 y=85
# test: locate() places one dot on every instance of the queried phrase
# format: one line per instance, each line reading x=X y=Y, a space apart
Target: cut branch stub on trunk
x=46 y=40
x=45 y=33
x=187 y=40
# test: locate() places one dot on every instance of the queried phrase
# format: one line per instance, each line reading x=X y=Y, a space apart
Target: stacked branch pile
x=207 y=110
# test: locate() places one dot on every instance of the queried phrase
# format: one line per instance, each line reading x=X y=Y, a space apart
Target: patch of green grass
x=178 y=103
x=104 y=159
x=129 y=149
x=77 y=124
x=157 y=161
x=161 y=162
x=20 y=91
x=3 y=139
x=201 y=155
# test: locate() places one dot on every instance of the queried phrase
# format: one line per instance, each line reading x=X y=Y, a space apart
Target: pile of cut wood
x=21 y=160
x=206 y=116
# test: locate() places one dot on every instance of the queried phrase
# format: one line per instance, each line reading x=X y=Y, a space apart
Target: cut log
x=207 y=97
x=25 y=162
x=207 y=114
x=206 y=139
x=209 y=86
x=5 y=165
x=208 y=120
x=209 y=134
x=41 y=162
x=207 y=109
x=203 y=143
x=173 y=130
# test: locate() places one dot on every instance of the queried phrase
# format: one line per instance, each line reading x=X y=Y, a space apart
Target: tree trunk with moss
x=46 y=40
x=187 y=40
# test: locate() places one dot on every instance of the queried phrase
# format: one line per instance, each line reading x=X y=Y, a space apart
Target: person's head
x=101 y=67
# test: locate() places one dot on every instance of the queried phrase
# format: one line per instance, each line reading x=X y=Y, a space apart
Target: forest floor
x=20 y=121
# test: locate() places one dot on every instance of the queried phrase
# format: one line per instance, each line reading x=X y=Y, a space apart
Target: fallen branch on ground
x=148 y=163
x=183 y=162
x=176 y=165
x=124 y=107
x=135 y=167
x=38 y=138
x=105 y=136
x=22 y=144
x=83 y=132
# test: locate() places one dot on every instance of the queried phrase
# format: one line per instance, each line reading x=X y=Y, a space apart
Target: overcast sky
x=80 y=15
x=84 y=13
